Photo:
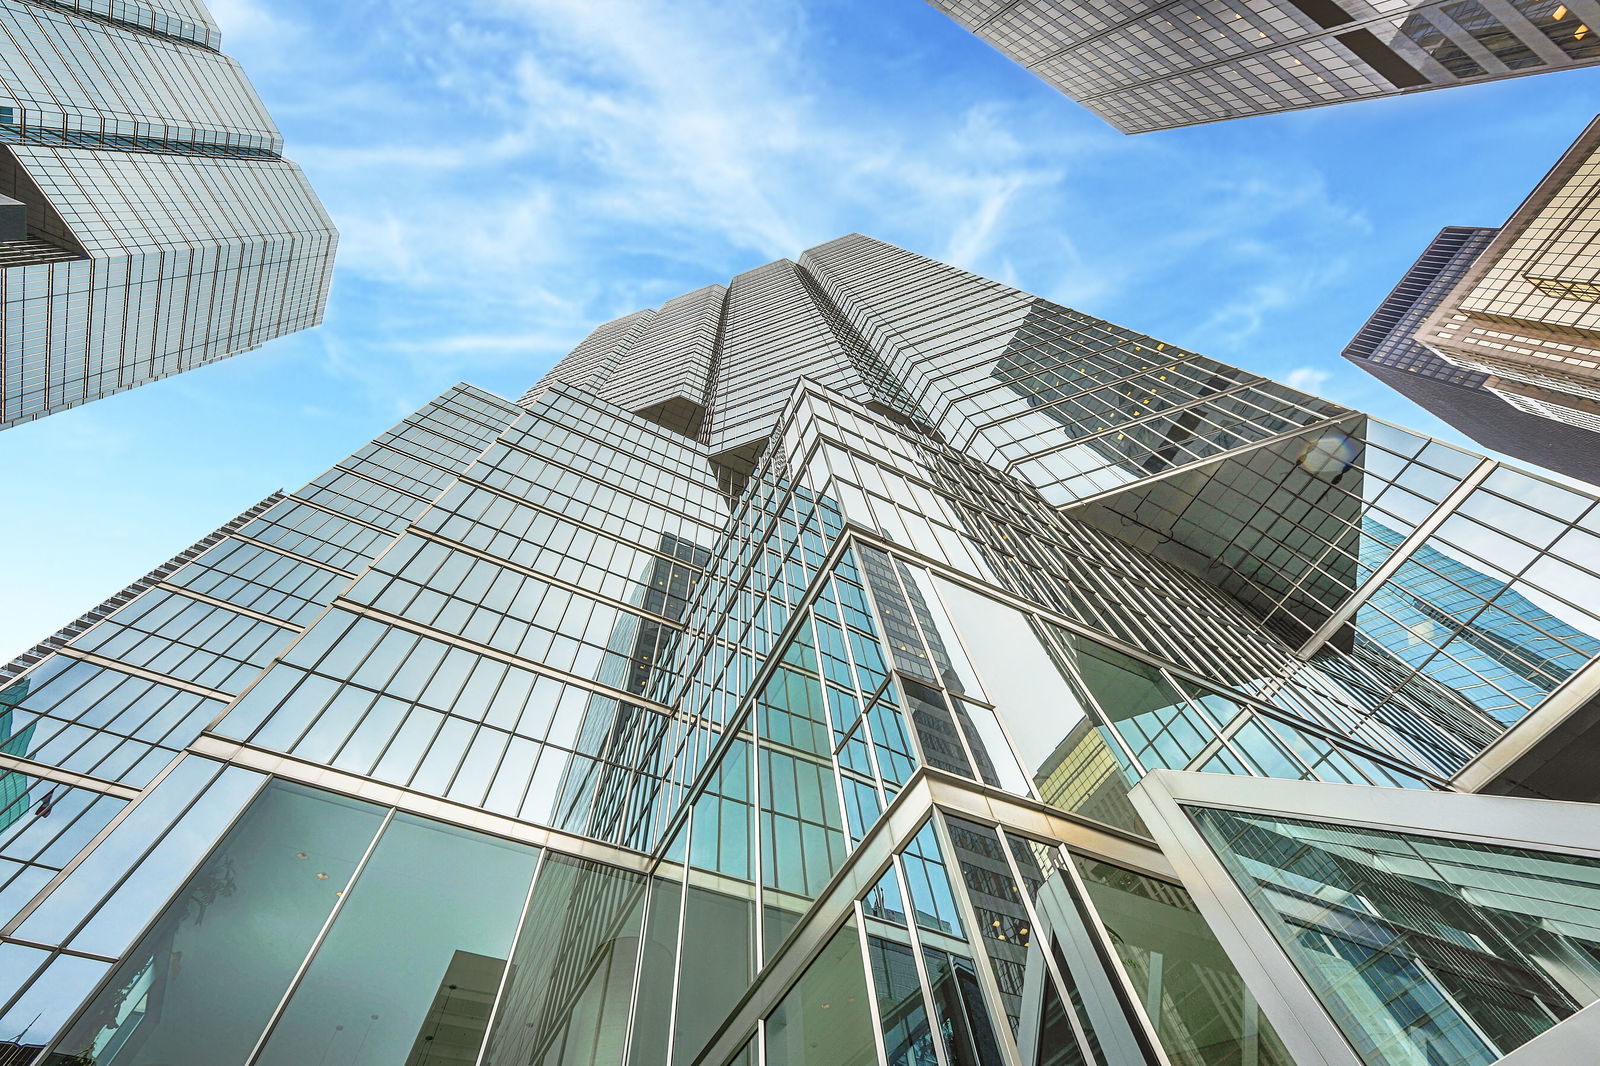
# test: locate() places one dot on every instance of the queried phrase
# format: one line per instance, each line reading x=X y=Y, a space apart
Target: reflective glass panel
x=652 y=1019
x=39 y=1012
x=566 y=1001
x=412 y=962
x=1189 y=987
x=1426 y=951
x=717 y=959
x=907 y=1037
x=825 y=1018
x=969 y=1039
x=199 y=987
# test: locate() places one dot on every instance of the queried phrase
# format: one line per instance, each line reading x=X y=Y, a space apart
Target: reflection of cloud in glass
x=1329 y=454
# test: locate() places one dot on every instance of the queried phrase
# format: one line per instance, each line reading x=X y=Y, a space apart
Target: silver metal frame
x=1307 y=1030
x=926 y=792
x=1577 y=691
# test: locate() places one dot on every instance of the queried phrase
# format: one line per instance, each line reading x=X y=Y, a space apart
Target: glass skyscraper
x=861 y=662
x=149 y=223
x=1158 y=64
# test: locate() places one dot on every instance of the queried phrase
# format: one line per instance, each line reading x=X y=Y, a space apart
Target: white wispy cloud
x=508 y=173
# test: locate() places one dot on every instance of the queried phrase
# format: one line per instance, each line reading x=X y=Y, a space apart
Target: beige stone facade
x=1528 y=311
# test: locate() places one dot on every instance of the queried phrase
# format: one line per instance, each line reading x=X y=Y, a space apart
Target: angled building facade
x=808 y=672
x=1497 y=332
x=1527 y=312
x=149 y=223
x=1387 y=347
x=1157 y=65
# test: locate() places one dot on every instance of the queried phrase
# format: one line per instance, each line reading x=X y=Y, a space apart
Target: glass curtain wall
x=323 y=929
x=1427 y=951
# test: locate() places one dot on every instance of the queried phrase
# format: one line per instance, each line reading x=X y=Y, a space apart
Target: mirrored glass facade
x=769 y=684
x=152 y=224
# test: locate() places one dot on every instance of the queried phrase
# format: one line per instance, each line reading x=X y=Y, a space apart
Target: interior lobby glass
x=567 y=998
x=413 y=961
x=200 y=986
x=1189 y=987
x=825 y=1017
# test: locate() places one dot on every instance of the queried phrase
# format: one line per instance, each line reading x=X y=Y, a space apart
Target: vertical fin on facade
x=591 y=364
x=165 y=229
x=774 y=333
x=668 y=367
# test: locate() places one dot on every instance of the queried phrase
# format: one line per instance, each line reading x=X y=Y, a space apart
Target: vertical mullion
x=928 y=1006
x=872 y=986
x=316 y=944
x=511 y=954
x=1052 y=971
x=683 y=913
x=1133 y=997
x=984 y=970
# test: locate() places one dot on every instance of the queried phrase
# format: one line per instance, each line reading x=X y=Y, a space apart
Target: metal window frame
x=1307 y=1030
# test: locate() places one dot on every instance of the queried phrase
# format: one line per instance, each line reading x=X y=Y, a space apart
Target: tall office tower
x=1527 y=312
x=1387 y=348
x=861 y=662
x=149 y=223
x=75 y=628
x=1165 y=63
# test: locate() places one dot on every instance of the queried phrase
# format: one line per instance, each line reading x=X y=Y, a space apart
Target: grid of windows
x=1150 y=66
x=1527 y=311
x=596 y=630
x=165 y=229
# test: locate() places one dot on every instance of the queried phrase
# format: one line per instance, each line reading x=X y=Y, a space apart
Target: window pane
x=415 y=956
x=1202 y=1011
x=907 y=1037
x=1425 y=951
x=824 y=1018
x=566 y=1003
x=200 y=986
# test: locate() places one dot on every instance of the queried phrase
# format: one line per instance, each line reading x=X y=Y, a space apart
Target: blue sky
x=508 y=173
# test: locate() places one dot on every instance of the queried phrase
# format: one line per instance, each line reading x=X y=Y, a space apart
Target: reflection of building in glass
x=1153 y=66
x=1420 y=948
x=452 y=1030
x=774 y=674
x=13 y=785
x=1441 y=615
x=1083 y=775
x=149 y=223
